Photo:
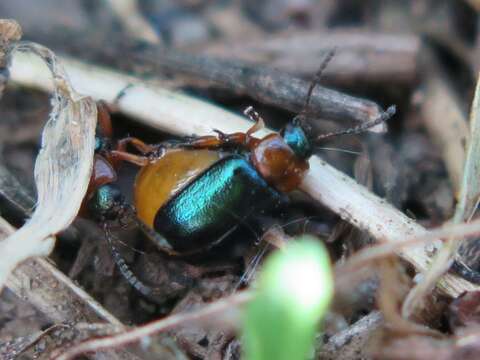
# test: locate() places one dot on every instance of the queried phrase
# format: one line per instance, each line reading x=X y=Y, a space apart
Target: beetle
x=189 y=196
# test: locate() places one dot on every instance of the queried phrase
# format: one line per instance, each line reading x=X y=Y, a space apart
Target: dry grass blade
x=470 y=191
x=446 y=124
x=467 y=202
x=370 y=254
x=62 y=168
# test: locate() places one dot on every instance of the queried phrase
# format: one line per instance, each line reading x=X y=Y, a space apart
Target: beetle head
x=106 y=203
x=295 y=135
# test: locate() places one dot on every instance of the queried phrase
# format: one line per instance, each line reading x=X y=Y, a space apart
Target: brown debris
x=464 y=311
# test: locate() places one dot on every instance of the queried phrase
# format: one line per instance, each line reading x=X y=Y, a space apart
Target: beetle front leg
x=104 y=120
x=256 y=118
x=219 y=141
x=160 y=242
x=242 y=140
x=151 y=151
x=138 y=144
x=118 y=156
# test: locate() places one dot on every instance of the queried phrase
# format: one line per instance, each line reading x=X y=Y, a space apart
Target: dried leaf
x=470 y=190
x=62 y=168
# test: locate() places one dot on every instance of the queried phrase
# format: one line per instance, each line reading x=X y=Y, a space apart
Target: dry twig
x=264 y=84
x=213 y=312
x=362 y=57
x=261 y=83
x=352 y=342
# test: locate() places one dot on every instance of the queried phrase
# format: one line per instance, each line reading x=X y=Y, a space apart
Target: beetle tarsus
x=255 y=117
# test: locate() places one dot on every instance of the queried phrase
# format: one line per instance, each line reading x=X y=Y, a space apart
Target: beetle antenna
x=123 y=267
x=316 y=79
x=344 y=151
x=362 y=127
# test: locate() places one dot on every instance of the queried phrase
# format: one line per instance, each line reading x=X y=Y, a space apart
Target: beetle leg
x=131 y=158
x=255 y=117
x=237 y=139
x=222 y=140
x=205 y=142
x=161 y=243
x=104 y=119
x=152 y=151
x=219 y=141
x=137 y=144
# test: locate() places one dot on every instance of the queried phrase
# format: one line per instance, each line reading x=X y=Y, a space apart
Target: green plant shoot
x=293 y=293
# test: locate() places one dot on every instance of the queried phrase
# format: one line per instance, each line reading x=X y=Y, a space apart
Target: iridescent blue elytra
x=214 y=204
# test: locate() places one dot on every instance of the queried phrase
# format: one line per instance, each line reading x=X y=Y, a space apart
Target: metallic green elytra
x=214 y=204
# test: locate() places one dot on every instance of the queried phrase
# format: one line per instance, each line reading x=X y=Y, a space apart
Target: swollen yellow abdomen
x=156 y=183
